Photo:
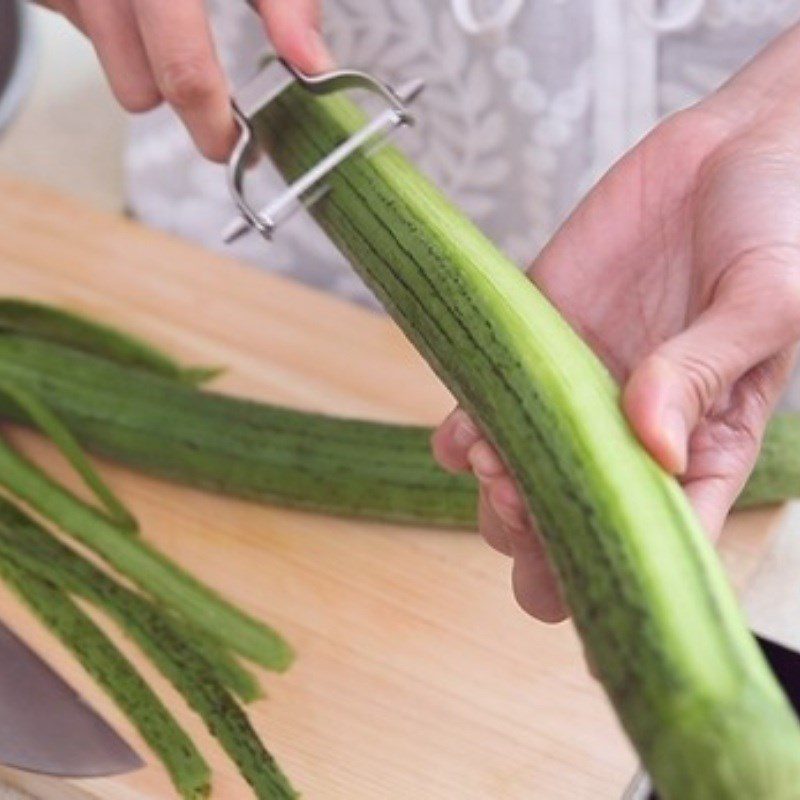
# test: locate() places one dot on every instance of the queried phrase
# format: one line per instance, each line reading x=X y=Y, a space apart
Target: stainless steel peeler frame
x=276 y=76
x=640 y=787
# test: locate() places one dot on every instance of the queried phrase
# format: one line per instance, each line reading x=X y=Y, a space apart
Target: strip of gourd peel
x=52 y=427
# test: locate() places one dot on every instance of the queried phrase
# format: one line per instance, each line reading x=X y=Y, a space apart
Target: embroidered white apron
x=527 y=102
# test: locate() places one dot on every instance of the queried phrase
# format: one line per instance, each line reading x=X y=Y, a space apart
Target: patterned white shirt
x=527 y=103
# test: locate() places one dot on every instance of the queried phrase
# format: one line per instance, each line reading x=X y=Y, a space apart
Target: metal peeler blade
x=273 y=79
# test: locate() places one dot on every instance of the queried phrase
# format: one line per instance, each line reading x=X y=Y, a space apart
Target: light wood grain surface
x=417 y=676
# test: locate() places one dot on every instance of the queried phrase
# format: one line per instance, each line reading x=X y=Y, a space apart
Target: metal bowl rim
x=19 y=82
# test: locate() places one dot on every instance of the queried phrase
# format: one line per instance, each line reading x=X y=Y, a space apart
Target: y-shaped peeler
x=276 y=76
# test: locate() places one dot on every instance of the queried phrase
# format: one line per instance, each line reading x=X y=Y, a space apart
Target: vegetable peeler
x=275 y=77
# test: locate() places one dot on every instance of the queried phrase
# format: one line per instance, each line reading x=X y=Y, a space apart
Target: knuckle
x=772 y=276
x=758 y=401
x=465 y=426
x=490 y=528
x=695 y=376
x=679 y=125
x=187 y=81
x=703 y=381
x=737 y=437
x=748 y=431
x=730 y=447
x=746 y=421
x=688 y=134
x=137 y=100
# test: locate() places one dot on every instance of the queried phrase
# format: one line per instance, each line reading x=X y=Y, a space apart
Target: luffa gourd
x=274 y=454
x=647 y=593
x=648 y=596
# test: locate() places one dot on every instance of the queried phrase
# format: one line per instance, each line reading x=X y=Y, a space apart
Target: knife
x=45 y=726
x=772 y=606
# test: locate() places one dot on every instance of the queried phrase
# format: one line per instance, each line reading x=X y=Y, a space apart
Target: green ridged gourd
x=648 y=596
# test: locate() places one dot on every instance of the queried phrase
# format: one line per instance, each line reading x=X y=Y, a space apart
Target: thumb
x=690 y=375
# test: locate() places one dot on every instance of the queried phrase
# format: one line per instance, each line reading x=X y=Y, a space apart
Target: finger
x=485 y=463
x=535 y=583
x=293 y=28
x=724 y=451
x=687 y=376
x=507 y=525
x=508 y=503
x=712 y=499
x=452 y=440
x=513 y=532
x=181 y=53
x=112 y=27
x=490 y=525
x=67 y=8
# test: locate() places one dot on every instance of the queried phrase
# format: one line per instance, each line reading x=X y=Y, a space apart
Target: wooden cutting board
x=417 y=676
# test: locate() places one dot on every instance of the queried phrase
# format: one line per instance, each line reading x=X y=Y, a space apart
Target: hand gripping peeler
x=276 y=76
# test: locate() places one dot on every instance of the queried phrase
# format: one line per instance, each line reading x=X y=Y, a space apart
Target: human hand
x=682 y=270
x=154 y=51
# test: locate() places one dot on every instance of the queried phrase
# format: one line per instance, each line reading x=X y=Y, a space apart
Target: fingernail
x=675 y=436
x=464 y=433
x=484 y=461
x=318 y=51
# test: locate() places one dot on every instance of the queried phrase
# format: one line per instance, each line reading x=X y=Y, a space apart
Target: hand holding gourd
x=681 y=269
x=154 y=51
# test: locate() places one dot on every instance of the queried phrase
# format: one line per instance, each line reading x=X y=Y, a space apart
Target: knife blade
x=46 y=727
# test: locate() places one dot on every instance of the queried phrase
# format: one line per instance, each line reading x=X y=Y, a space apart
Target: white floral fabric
x=527 y=103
